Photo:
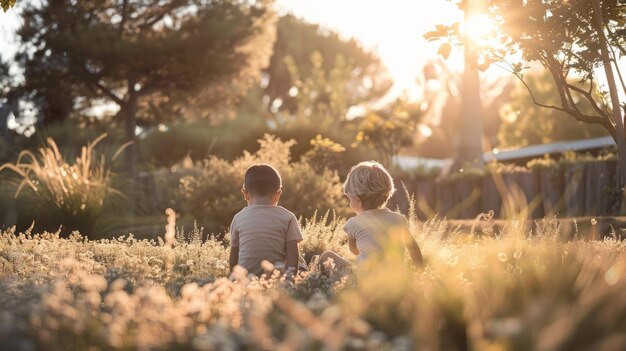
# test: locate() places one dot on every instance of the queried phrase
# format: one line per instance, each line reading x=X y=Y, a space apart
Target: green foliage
x=325 y=69
x=389 y=130
x=53 y=192
x=7 y=4
x=201 y=139
x=158 y=61
x=212 y=188
x=166 y=55
x=304 y=134
x=515 y=289
x=542 y=163
x=565 y=37
x=323 y=233
x=524 y=123
x=324 y=154
x=547 y=38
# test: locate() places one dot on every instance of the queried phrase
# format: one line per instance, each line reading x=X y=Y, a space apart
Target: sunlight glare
x=425 y=130
x=481 y=29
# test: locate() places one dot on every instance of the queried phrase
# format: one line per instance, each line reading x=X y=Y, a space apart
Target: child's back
x=261 y=233
x=262 y=230
x=372 y=229
x=375 y=230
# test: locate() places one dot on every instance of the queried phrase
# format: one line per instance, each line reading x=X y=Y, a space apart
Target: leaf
x=433 y=35
x=517 y=68
x=444 y=50
x=7 y=4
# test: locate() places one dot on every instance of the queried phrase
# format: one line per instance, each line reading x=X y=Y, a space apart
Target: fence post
x=599 y=185
x=552 y=189
x=575 y=189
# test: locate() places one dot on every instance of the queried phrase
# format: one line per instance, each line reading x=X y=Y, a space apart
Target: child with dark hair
x=264 y=231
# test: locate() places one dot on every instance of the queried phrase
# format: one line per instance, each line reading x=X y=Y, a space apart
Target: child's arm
x=234 y=257
x=414 y=249
x=291 y=264
x=352 y=246
x=234 y=246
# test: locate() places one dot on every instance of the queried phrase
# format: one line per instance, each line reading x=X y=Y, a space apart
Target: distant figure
x=264 y=231
x=375 y=231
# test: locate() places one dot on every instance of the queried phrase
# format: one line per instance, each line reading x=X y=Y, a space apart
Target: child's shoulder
x=274 y=211
x=386 y=215
x=282 y=209
x=397 y=215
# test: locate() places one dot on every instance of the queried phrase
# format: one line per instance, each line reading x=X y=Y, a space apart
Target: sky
x=392 y=28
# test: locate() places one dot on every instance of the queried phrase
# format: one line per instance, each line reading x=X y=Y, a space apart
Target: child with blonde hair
x=369 y=186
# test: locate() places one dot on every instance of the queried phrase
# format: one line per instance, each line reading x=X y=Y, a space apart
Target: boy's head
x=371 y=184
x=262 y=181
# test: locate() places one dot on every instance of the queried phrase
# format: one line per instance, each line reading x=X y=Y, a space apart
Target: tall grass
x=512 y=288
x=55 y=192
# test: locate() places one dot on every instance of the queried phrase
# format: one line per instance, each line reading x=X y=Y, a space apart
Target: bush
x=201 y=139
x=211 y=189
x=306 y=138
x=54 y=192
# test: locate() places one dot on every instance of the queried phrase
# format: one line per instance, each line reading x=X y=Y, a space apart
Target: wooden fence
x=572 y=190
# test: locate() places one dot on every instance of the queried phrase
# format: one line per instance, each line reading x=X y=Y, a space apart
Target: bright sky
x=394 y=28
x=8 y=24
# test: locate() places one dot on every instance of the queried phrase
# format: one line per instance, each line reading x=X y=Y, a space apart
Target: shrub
x=211 y=190
x=306 y=137
x=54 y=192
x=322 y=234
x=200 y=139
x=325 y=153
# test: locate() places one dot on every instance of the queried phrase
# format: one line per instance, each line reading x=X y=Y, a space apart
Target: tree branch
x=91 y=79
x=154 y=18
x=589 y=98
x=109 y=93
x=619 y=72
x=532 y=96
x=123 y=21
x=574 y=113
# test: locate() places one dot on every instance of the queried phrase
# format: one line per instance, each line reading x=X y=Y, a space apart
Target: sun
x=481 y=30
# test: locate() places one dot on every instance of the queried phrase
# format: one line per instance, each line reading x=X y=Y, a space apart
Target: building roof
x=528 y=152
x=553 y=148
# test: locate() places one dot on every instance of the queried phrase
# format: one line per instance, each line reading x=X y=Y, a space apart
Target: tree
x=314 y=73
x=156 y=60
x=442 y=127
x=7 y=4
x=524 y=123
x=470 y=150
x=570 y=39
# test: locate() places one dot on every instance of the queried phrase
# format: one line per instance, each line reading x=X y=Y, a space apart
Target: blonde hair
x=371 y=182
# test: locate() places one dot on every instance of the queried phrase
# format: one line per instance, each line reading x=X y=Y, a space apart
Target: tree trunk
x=470 y=146
x=619 y=136
x=128 y=112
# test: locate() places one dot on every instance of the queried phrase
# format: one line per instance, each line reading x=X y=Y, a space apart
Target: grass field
x=511 y=288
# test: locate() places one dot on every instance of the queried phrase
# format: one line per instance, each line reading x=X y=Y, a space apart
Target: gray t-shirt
x=261 y=232
x=372 y=229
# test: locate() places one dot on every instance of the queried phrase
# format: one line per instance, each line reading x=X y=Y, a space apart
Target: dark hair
x=262 y=180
